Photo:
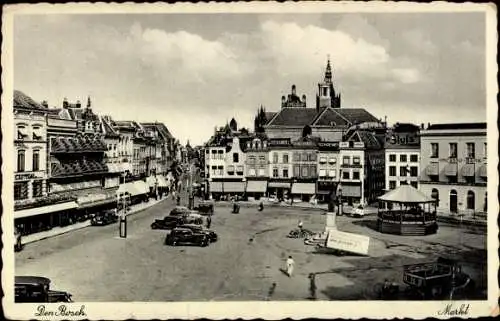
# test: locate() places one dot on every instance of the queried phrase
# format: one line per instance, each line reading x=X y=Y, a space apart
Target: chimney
x=65 y=102
x=78 y=104
x=45 y=104
x=428 y=125
x=422 y=126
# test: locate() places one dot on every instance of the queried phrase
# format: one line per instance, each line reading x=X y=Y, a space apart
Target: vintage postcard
x=249 y=160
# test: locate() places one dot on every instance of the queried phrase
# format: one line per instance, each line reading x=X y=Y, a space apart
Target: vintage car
x=206 y=208
x=18 y=245
x=104 y=218
x=31 y=289
x=180 y=211
x=359 y=211
x=179 y=236
x=168 y=222
x=200 y=229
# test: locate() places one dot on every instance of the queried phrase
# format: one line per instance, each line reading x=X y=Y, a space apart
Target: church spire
x=89 y=103
x=328 y=71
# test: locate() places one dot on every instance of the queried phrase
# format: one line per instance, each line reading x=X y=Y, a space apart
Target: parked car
x=37 y=289
x=359 y=211
x=168 y=222
x=104 y=218
x=194 y=218
x=212 y=236
x=181 y=235
x=206 y=208
x=180 y=211
x=18 y=246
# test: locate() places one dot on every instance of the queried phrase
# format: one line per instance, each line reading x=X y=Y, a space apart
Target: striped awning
x=304 y=188
x=278 y=185
x=215 y=187
x=432 y=169
x=234 y=187
x=451 y=170
x=483 y=170
x=256 y=186
x=351 y=190
x=468 y=170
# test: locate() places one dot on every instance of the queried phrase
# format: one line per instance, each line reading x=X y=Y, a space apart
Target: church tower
x=326 y=96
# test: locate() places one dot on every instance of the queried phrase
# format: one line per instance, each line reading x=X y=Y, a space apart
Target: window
x=434 y=150
x=262 y=172
x=262 y=159
x=313 y=170
x=275 y=158
x=20 y=161
x=251 y=159
x=20 y=190
x=392 y=170
x=392 y=184
x=285 y=158
x=37 y=188
x=296 y=157
x=414 y=158
x=305 y=171
x=355 y=175
x=239 y=170
x=303 y=157
x=220 y=170
x=471 y=200
x=413 y=171
x=322 y=173
x=312 y=156
x=435 y=195
x=402 y=171
x=236 y=158
x=37 y=135
x=322 y=160
x=207 y=151
x=285 y=172
x=22 y=133
x=296 y=171
x=414 y=184
x=230 y=170
x=392 y=157
x=220 y=154
x=471 y=150
x=453 y=150
x=402 y=158
x=36 y=160
x=332 y=173
x=356 y=160
x=346 y=175
x=332 y=160
x=345 y=160
x=275 y=172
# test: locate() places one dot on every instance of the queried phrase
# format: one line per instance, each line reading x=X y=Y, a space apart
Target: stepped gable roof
x=292 y=116
x=21 y=100
x=406 y=194
x=356 y=115
x=330 y=117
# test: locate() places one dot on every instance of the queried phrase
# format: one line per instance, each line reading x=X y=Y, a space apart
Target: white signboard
x=348 y=242
x=331 y=221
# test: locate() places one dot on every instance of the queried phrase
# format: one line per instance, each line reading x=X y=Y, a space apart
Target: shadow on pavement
x=371 y=224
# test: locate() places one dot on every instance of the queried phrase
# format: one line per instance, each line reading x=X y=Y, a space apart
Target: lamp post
x=339 y=190
x=123 y=215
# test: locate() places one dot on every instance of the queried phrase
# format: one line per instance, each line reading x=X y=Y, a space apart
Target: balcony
x=432 y=169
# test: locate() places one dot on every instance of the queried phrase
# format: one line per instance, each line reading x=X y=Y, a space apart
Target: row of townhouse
x=70 y=162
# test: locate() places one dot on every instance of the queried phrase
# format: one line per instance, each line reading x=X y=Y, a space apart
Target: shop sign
x=279 y=142
x=328 y=145
x=461 y=160
x=26 y=176
x=348 y=242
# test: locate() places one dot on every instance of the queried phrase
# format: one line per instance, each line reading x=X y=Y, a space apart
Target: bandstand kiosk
x=406 y=211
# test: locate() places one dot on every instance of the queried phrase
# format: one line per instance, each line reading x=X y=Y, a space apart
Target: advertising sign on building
x=348 y=242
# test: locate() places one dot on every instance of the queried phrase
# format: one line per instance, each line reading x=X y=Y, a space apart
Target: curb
x=87 y=224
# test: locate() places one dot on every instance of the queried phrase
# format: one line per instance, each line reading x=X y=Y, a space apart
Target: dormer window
x=37 y=134
x=22 y=132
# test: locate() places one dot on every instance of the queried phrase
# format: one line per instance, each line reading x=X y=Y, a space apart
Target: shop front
x=216 y=190
x=303 y=191
x=234 y=189
x=324 y=189
x=256 y=189
x=279 y=190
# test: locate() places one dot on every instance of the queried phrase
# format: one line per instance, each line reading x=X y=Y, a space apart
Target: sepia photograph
x=249 y=160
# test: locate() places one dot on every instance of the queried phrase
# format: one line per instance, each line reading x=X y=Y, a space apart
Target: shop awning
x=141 y=188
x=483 y=170
x=304 y=188
x=151 y=181
x=468 y=170
x=432 y=169
x=351 y=191
x=45 y=209
x=451 y=170
x=126 y=188
x=98 y=203
x=114 y=168
x=162 y=182
x=126 y=167
x=234 y=187
x=256 y=186
x=215 y=187
x=279 y=185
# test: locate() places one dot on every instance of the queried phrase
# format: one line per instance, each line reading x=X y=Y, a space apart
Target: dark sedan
x=185 y=236
x=168 y=223
x=37 y=289
x=104 y=218
x=200 y=229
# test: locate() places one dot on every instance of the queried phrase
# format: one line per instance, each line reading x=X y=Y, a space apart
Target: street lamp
x=339 y=190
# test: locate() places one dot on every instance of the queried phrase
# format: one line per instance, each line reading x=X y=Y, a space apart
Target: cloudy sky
x=196 y=71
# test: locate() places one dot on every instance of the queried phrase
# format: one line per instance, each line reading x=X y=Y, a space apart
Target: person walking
x=289 y=266
x=300 y=224
x=209 y=221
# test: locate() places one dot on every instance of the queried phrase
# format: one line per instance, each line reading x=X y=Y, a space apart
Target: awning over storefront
x=432 y=169
x=325 y=187
x=114 y=168
x=483 y=170
x=451 y=170
x=141 y=187
x=279 y=185
x=133 y=188
x=45 y=209
x=215 y=187
x=468 y=170
x=162 y=182
x=126 y=188
x=98 y=203
x=151 y=181
x=234 y=187
x=256 y=186
x=351 y=191
x=304 y=188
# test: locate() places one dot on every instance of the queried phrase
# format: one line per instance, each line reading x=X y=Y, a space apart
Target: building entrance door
x=453 y=201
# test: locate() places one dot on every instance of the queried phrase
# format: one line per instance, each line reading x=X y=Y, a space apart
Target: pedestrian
x=209 y=221
x=289 y=266
x=300 y=225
